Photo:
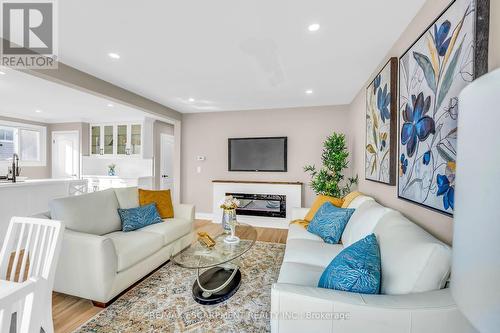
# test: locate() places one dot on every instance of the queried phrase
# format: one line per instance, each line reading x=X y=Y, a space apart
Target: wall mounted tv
x=257 y=154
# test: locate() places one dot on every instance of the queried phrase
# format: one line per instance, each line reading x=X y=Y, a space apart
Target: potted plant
x=111 y=169
x=330 y=179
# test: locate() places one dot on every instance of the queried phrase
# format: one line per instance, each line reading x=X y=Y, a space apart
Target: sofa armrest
x=184 y=211
x=299 y=213
x=87 y=266
x=297 y=308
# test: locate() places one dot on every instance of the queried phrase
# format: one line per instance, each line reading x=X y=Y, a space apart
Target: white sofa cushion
x=363 y=221
x=300 y=273
x=412 y=260
x=311 y=252
x=134 y=246
x=296 y=231
x=128 y=197
x=171 y=229
x=359 y=200
x=93 y=213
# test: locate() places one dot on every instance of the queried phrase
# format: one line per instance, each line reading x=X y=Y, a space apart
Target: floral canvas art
x=433 y=71
x=381 y=125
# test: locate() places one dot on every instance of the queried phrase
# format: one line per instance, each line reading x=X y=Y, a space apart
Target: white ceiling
x=22 y=94
x=233 y=54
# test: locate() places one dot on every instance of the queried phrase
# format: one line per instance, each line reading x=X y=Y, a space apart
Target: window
x=28 y=141
x=7 y=148
x=29 y=144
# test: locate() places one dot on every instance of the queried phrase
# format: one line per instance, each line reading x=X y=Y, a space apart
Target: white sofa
x=98 y=261
x=415 y=269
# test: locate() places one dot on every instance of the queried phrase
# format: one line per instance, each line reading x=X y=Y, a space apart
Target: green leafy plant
x=329 y=179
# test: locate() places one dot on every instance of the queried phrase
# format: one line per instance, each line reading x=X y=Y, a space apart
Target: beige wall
x=206 y=134
x=438 y=224
x=494 y=59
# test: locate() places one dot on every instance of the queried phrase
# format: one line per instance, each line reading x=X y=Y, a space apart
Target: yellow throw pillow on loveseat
x=162 y=199
x=320 y=200
x=349 y=198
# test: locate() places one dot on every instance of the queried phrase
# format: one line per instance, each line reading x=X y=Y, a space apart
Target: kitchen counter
x=32 y=196
x=115 y=177
x=103 y=182
x=36 y=182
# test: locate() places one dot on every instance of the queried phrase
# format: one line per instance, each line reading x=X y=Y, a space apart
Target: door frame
x=52 y=142
x=171 y=138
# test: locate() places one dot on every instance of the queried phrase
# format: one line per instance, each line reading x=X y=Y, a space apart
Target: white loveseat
x=415 y=269
x=98 y=261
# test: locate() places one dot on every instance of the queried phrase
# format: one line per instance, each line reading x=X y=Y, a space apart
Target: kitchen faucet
x=15 y=167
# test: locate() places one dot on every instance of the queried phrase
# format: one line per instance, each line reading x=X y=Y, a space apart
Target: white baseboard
x=204 y=216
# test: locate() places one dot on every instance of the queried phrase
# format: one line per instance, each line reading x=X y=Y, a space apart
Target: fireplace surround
x=269 y=205
x=260 y=201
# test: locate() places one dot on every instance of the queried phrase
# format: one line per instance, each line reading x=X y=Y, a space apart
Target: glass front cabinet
x=116 y=139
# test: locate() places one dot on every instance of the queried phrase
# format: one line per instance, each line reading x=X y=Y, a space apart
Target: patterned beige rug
x=164 y=303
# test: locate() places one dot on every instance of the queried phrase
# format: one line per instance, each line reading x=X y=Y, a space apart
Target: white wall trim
x=177 y=161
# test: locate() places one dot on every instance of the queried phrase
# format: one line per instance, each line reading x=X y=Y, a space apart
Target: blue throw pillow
x=356 y=268
x=329 y=222
x=136 y=218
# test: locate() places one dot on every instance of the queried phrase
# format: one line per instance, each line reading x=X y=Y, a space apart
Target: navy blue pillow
x=357 y=268
x=136 y=218
x=329 y=222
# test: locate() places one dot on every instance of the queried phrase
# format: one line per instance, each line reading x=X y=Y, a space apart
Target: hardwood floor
x=69 y=312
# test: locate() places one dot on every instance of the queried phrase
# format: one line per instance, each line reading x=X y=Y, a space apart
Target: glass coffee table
x=217 y=267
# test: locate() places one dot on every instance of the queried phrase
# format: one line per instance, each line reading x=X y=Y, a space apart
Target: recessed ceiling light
x=191 y=100
x=313 y=27
x=38 y=111
x=114 y=55
x=110 y=105
x=309 y=91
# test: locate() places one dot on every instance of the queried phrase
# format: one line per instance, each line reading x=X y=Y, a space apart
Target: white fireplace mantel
x=292 y=191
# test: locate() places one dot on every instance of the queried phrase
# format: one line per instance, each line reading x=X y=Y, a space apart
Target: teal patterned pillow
x=139 y=217
x=329 y=222
x=357 y=268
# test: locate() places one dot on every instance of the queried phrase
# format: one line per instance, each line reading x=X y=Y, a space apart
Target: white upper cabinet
x=133 y=139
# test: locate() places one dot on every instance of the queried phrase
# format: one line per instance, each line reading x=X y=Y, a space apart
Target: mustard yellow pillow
x=302 y=223
x=162 y=199
x=318 y=202
x=349 y=198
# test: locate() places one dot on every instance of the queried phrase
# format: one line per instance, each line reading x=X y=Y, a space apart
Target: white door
x=167 y=162
x=65 y=155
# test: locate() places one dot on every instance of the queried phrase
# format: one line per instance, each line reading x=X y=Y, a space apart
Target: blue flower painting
x=381 y=126
x=432 y=73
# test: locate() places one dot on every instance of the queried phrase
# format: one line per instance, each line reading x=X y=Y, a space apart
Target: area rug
x=163 y=302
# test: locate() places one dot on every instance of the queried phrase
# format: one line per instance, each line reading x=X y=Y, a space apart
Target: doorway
x=166 y=162
x=66 y=154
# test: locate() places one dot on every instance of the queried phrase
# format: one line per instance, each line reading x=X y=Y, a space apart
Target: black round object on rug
x=213 y=278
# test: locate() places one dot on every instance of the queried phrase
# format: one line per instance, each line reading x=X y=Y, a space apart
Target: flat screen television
x=257 y=154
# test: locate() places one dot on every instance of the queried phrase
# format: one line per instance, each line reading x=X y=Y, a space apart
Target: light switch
x=198 y=169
